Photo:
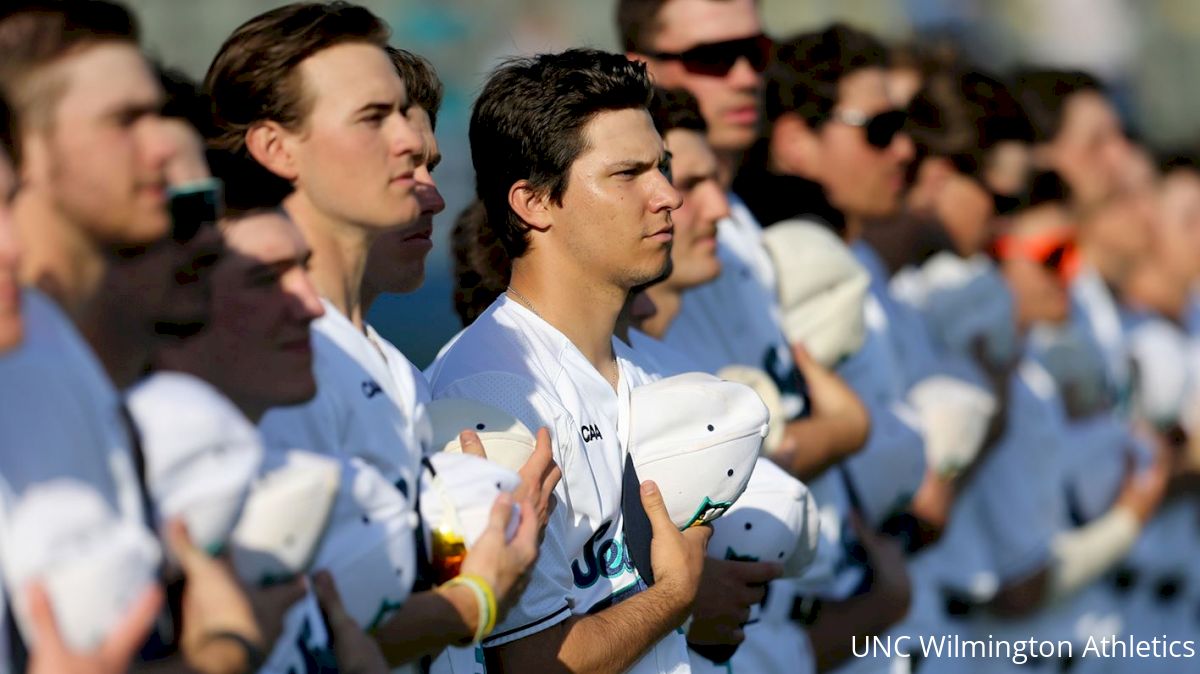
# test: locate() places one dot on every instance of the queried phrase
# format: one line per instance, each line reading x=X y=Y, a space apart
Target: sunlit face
x=1178 y=225
x=101 y=160
x=731 y=104
x=397 y=260
x=10 y=288
x=357 y=153
x=1090 y=151
x=263 y=303
x=694 y=173
x=1038 y=290
x=614 y=223
x=860 y=179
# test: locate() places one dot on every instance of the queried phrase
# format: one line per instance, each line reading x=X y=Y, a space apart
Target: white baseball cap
x=370 y=545
x=768 y=392
x=966 y=299
x=285 y=516
x=93 y=563
x=457 y=493
x=954 y=417
x=505 y=439
x=821 y=289
x=201 y=453
x=697 y=437
x=1165 y=385
x=775 y=520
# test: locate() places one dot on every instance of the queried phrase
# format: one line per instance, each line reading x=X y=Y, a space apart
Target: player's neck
x=667 y=303
x=854 y=229
x=57 y=257
x=339 y=257
x=123 y=345
x=584 y=311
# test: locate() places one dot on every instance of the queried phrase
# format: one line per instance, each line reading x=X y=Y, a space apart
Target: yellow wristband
x=486 y=600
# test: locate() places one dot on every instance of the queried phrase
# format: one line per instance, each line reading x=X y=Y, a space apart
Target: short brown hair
x=253 y=76
x=637 y=22
x=421 y=81
x=37 y=33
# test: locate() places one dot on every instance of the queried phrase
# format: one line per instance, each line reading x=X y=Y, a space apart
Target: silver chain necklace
x=516 y=295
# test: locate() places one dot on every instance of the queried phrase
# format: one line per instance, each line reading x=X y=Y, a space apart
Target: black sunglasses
x=881 y=129
x=193 y=207
x=718 y=58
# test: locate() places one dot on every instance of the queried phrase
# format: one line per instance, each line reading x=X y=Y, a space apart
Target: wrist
x=465 y=606
x=677 y=597
x=227 y=652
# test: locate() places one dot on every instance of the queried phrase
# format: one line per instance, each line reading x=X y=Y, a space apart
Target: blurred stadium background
x=1148 y=51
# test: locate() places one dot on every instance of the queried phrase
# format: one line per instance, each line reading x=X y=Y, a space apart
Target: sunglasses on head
x=1051 y=250
x=718 y=58
x=881 y=129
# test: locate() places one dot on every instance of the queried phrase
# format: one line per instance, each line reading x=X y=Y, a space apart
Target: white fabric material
x=955 y=417
x=1082 y=555
x=412 y=394
x=511 y=359
x=662 y=359
x=459 y=500
x=61 y=423
x=697 y=437
x=768 y=392
x=505 y=440
x=93 y=564
x=201 y=453
x=736 y=319
x=822 y=288
x=1166 y=388
x=285 y=516
x=775 y=520
x=360 y=412
x=963 y=300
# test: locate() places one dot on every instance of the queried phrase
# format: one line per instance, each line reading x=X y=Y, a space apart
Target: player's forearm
x=866 y=615
x=821 y=443
x=1083 y=554
x=428 y=622
x=608 y=642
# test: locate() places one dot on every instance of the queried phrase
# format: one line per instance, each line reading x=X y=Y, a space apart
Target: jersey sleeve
x=547 y=599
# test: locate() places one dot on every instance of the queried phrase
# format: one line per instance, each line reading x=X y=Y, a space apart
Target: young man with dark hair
x=715 y=49
x=581 y=152
x=309 y=92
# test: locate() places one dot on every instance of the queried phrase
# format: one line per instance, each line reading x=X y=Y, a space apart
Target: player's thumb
x=501 y=513
x=180 y=544
x=656 y=509
x=471 y=444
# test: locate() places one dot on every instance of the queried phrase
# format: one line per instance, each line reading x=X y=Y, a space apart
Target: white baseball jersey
x=736 y=320
x=357 y=412
x=413 y=393
x=511 y=359
x=60 y=422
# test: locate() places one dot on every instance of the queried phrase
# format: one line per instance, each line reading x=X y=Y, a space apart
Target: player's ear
x=272 y=145
x=531 y=205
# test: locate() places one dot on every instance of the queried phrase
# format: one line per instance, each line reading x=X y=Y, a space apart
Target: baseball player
x=340 y=203
x=545 y=352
